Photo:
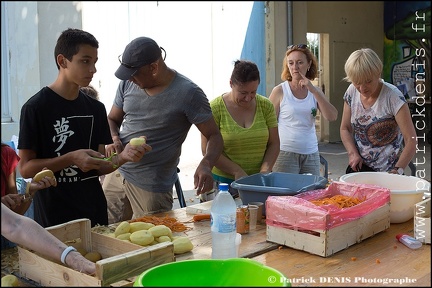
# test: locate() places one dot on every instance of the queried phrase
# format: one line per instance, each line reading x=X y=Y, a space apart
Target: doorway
x=319 y=45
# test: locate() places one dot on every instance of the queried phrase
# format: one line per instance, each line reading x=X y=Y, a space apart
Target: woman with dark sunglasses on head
x=296 y=102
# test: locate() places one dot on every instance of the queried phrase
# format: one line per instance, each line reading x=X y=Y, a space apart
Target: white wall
x=31 y=30
x=202 y=39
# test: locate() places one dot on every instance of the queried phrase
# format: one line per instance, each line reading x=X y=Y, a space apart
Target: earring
x=308 y=69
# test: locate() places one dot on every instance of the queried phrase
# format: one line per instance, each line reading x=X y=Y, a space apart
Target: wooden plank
x=133 y=263
x=75 y=229
x=109 y=246
x=50 y=273
x=109 y=270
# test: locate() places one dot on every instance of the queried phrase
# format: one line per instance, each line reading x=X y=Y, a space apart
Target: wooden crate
x=422 y=221
x=327 y=242
x=120 y=261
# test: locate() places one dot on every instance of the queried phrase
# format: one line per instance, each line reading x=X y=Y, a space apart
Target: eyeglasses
x=127 y=65
x=298 y=46
x=137 y=66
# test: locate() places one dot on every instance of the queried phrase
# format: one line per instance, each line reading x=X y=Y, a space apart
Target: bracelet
x=66 y=252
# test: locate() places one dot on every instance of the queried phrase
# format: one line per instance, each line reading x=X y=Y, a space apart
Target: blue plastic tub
x=257 y=187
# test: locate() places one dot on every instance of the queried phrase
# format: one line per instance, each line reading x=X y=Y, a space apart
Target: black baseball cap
x=140 y=52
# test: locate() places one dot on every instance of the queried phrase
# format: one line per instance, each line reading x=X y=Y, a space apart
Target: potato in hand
x=44 y=173
x=138 y=141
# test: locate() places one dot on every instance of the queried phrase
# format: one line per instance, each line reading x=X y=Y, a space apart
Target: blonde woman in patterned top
x=376 y=129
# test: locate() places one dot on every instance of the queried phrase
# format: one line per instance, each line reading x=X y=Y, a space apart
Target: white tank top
x=297 y=122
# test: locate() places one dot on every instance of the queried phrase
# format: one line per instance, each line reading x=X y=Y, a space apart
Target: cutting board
x=201 y=208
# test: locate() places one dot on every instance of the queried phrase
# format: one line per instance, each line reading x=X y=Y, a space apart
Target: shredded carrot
x=340 y=201
x=170 y=222
x=200 y=217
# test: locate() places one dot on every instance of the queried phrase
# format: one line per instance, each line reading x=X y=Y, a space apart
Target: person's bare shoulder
x=276 y=93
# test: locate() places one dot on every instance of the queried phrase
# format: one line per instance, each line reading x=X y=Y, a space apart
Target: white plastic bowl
x=405 y=191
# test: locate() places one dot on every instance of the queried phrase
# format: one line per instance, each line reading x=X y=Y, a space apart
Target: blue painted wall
x=254 y=44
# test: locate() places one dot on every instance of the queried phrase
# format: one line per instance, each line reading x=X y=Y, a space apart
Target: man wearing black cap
x=158 y=102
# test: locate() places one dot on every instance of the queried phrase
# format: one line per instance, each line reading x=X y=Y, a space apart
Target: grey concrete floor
x=334 y=153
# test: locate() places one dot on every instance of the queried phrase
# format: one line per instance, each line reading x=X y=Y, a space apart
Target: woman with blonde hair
x=376 y=127
x=296 y=101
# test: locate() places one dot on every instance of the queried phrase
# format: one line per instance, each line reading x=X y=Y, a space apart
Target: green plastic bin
x=234 y=272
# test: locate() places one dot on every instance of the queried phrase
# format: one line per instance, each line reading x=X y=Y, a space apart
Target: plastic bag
x=297 y=212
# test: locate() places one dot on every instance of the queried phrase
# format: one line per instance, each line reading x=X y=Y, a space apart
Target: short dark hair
x=244 y=71
x=69 y=41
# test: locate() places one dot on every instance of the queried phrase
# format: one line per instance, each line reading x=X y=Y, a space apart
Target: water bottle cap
x=223 y=187
x=398 y=236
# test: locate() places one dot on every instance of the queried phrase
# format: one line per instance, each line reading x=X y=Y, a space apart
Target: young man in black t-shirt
x=66 y=131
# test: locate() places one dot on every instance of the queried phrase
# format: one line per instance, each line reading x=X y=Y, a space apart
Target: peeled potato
x=93 y=256
x=137 y=141
x=44 y=173
x=9 y=281
x=182 y=245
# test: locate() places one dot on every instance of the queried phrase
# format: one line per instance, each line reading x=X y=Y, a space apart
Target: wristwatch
x=399 y=170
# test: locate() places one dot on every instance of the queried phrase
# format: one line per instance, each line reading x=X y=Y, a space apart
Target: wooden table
x=377 y=259
x=396 y=261
x=253 y=243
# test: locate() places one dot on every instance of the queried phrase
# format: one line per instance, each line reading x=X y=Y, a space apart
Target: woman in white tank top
x=296 y=101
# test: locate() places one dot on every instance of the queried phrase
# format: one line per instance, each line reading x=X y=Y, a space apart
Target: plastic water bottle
x=409 y=241
x=223 y=224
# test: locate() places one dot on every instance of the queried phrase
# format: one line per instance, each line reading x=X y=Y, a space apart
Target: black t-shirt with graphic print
x=52 y=126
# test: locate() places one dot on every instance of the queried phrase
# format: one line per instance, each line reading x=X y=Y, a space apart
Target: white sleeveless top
x=297 y=123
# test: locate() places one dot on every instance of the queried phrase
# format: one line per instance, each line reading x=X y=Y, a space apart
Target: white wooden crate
x=121 y=260
x=327 y=242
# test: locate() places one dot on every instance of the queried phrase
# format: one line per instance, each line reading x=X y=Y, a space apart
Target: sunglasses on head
x=298 y=46
x=137 y=66
x=127 y=65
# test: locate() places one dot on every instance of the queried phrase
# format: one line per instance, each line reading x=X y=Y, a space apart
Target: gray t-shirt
x=165 y=119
